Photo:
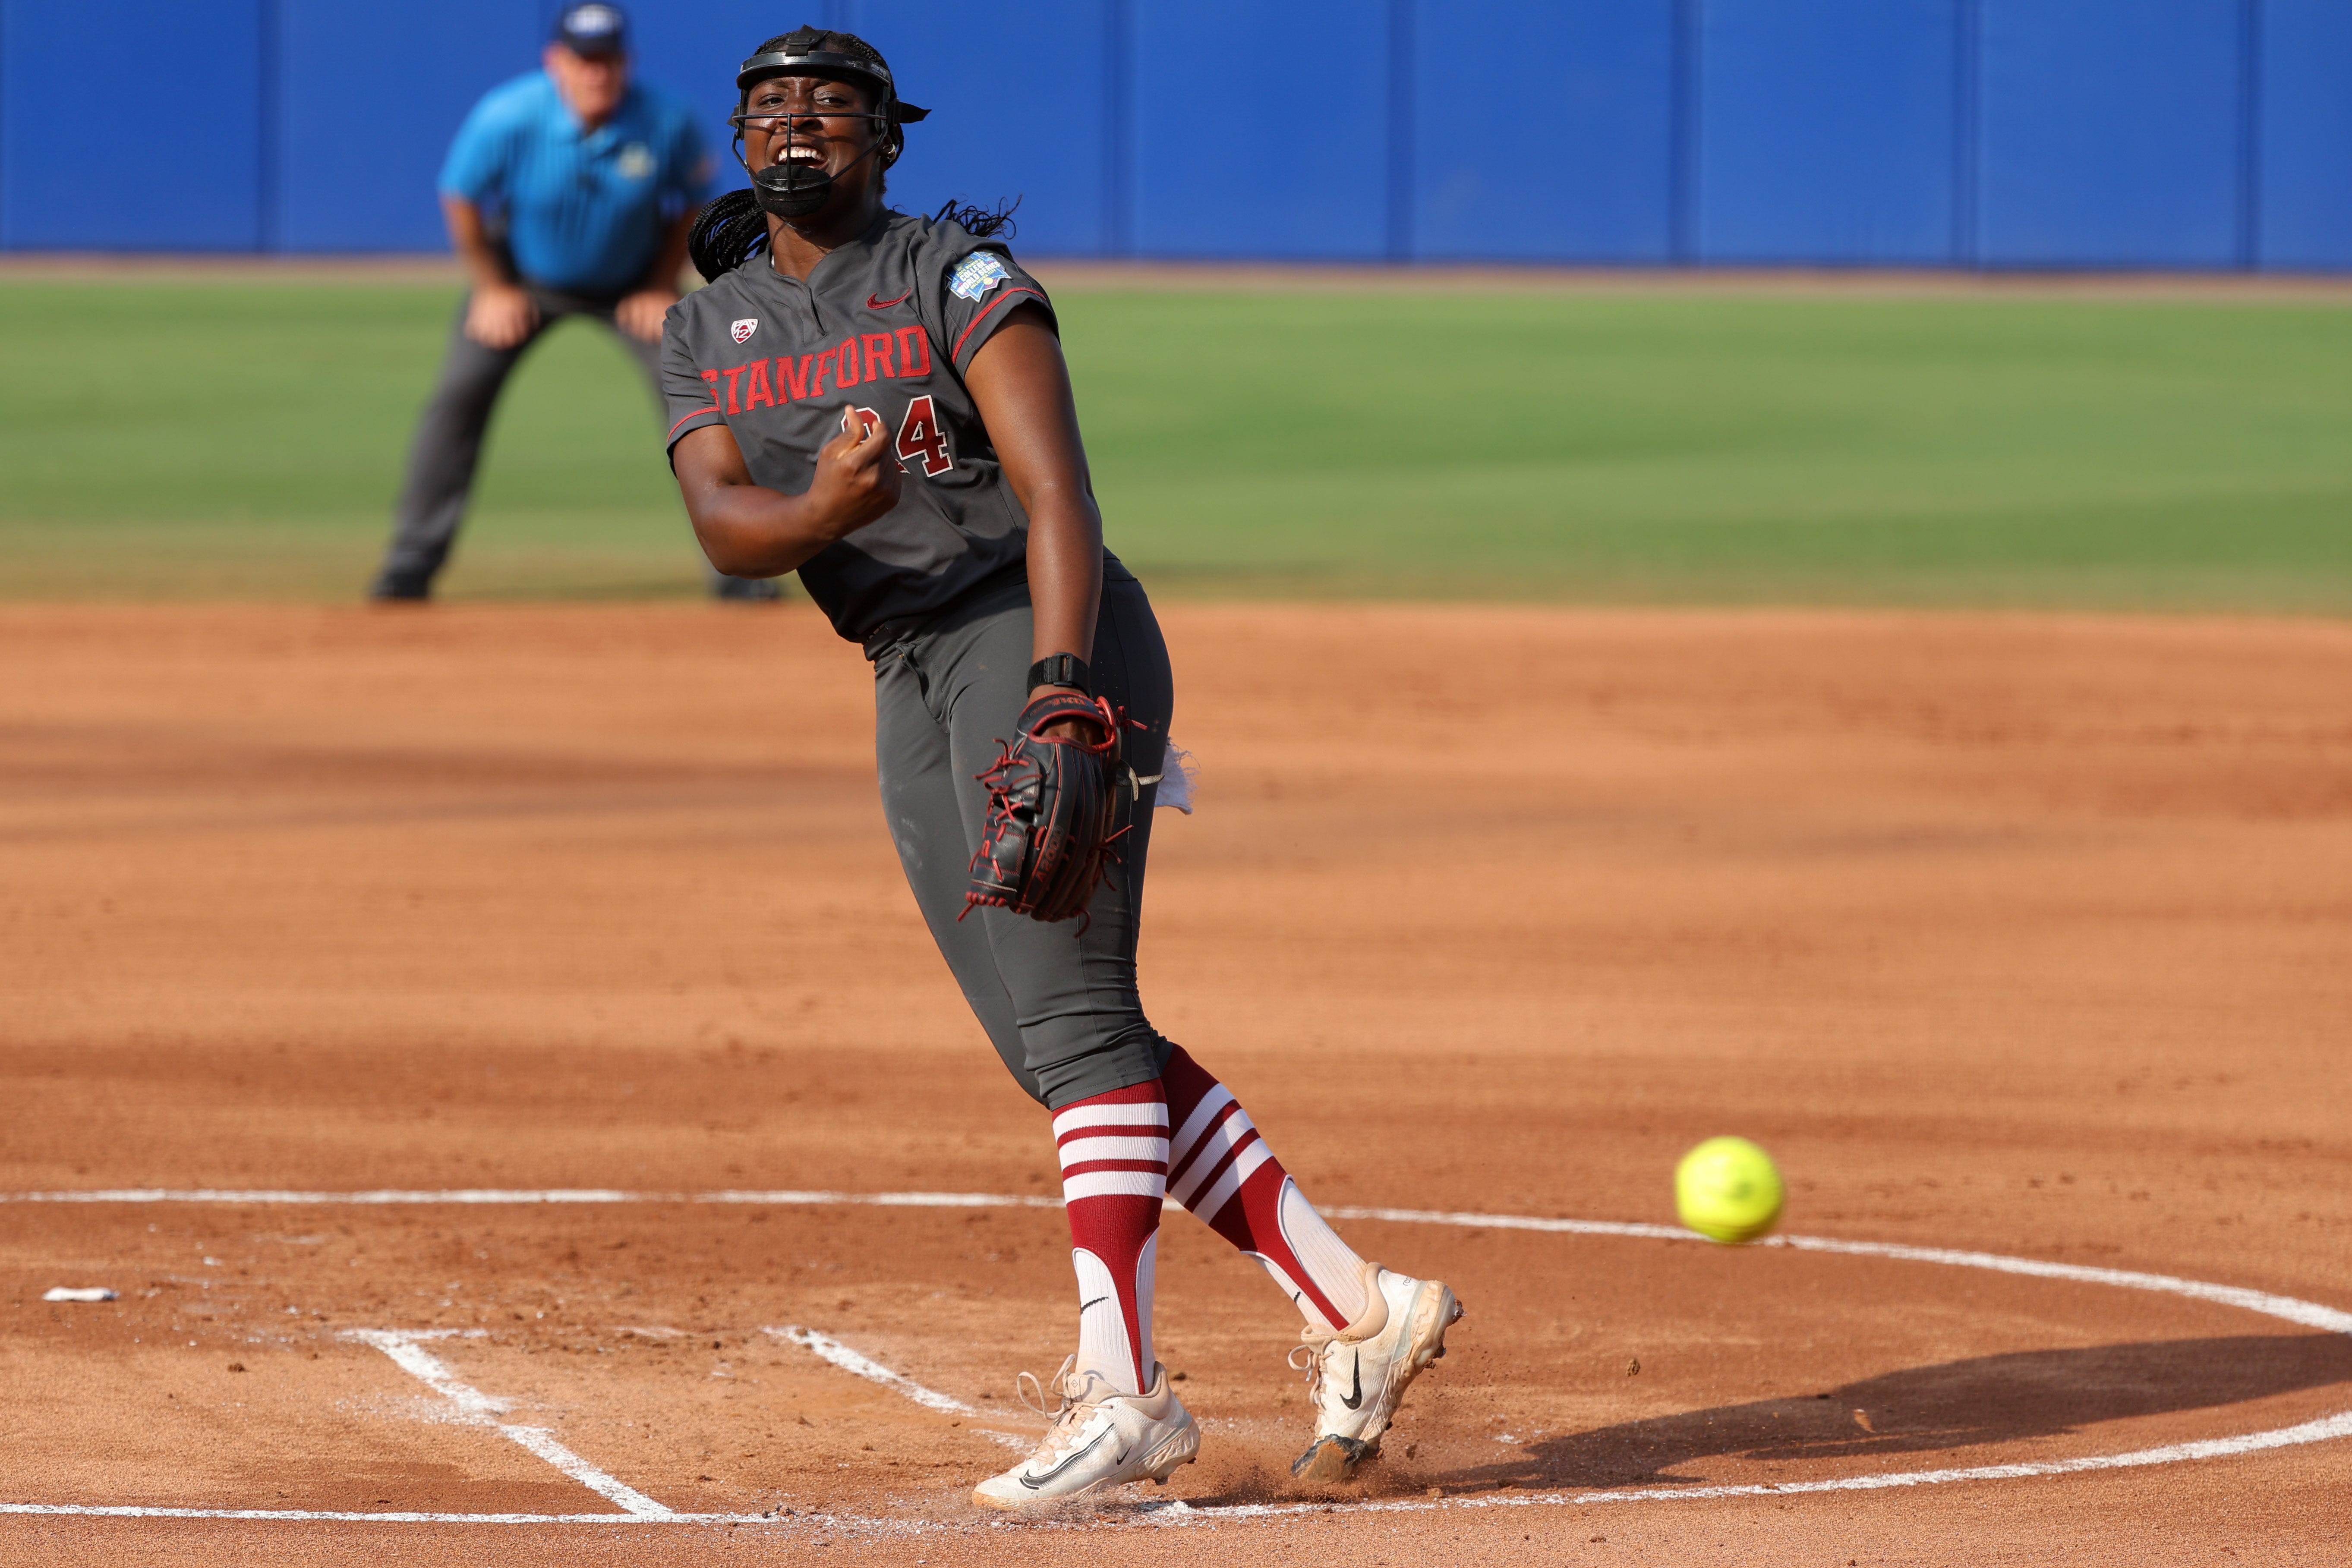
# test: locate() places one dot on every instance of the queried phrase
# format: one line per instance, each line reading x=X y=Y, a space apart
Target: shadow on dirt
x=1925 y=1409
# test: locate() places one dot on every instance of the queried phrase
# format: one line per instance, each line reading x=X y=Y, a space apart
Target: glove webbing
x=1045 y=844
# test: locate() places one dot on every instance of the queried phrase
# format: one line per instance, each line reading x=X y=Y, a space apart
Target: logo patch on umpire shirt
x=976 y=274
x=745 y=328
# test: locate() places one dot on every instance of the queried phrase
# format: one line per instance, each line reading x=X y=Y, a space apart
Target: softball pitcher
x=879 y=402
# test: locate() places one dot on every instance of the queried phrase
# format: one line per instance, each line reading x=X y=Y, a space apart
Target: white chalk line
x=513 y=1196
x=2326 y=1428
x=2311 y=1314
x=828 y=1348
x=330 y=1516
x=477 y=1408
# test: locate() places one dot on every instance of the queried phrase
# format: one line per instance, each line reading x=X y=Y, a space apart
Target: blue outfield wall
x=1025 y=109
x=345 y=179
x=1994 y=134
x=2304 y=138
x=79 y=166
x=1828 y=128
x=1541 y=132
x=1207 y=91
x=2112 y=133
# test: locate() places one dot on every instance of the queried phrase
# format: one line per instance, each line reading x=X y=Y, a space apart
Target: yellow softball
x=1729 y=1190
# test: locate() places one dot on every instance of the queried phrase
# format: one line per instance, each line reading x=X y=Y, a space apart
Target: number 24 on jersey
x=920 y=439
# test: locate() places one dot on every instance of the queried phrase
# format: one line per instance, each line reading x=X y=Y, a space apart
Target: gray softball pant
x=1058 y=1001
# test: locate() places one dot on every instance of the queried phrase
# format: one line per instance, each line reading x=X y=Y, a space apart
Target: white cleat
x=1357 y=1377
x=1101 y=1438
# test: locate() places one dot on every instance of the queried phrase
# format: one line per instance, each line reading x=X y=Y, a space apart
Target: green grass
x=243 y=440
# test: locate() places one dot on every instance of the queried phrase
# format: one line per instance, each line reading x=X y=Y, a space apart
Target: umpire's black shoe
x=400 y=588
x=746 y=590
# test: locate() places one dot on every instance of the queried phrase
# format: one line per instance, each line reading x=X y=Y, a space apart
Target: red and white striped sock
x=1114 y=1150
x=1220 y=1169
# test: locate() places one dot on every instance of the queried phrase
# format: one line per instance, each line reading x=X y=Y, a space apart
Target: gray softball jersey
x=886 y=324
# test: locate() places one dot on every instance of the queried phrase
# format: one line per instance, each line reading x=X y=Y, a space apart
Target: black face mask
x=794 y=189
x=791 y=190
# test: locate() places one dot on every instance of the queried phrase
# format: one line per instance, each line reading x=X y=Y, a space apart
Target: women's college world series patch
x=976 y=274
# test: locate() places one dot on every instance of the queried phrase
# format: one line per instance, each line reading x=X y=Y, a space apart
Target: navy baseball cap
x=594 y=28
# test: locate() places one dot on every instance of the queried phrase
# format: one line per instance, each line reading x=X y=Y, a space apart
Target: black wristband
x=1062 y=670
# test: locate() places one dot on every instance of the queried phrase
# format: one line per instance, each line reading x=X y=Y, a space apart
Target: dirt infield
x=2026 y=936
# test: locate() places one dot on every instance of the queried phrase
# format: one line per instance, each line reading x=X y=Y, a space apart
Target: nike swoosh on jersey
x=876 y=302
x=1356 y=1398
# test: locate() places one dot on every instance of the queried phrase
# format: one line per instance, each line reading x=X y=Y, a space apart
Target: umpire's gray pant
x=1058 y=1001
x=448 y=444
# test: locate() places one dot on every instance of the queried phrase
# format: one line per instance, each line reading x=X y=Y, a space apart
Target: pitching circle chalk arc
x=2289 y=1308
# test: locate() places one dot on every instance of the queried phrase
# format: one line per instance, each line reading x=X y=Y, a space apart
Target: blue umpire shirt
x=584 y=213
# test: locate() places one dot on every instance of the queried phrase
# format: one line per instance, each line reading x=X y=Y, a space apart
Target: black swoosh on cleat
x=1065 y=1464
x=1097 y=1301
x=1355 y=1398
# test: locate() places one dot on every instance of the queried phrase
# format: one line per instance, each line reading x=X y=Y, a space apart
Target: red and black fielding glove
x=1051 y=802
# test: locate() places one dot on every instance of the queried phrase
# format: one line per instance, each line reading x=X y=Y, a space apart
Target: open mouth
x=800 y=155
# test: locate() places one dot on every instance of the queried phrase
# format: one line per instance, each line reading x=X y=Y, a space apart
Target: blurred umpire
x=569 y=191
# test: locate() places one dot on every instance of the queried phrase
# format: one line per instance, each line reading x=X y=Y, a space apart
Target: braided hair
x=981 y=223
x=732 y=229
x=727 y=233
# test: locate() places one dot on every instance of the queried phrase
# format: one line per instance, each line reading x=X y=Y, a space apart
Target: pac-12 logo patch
x=745 y=328
x=976 y=274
